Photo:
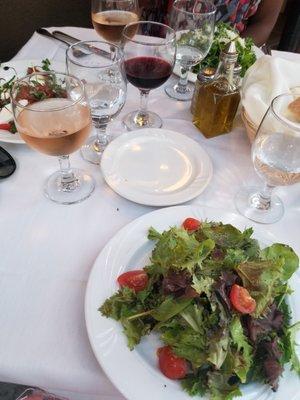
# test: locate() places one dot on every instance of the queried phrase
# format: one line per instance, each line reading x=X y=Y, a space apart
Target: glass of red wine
x=149 y=60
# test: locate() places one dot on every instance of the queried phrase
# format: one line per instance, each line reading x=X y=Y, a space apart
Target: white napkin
x=265 y=79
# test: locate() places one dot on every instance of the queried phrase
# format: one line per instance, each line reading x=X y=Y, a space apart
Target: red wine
x=147 y=72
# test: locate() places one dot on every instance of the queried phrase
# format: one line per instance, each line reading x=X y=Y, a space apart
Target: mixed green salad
x=223 y=34
x=219 y=304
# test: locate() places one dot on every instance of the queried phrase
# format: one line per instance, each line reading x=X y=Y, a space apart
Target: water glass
x=102 y=72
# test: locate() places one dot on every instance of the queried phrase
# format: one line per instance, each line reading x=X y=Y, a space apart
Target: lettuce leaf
x=220 y=388
x=243 y=356
x=177 y=249
x=290 y=260
x=260 y=279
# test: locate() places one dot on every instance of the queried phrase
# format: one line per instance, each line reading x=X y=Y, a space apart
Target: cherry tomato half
x=136 y=280
x=5 y=126
x=241 y=299
x=171 y=366
x=191 y=224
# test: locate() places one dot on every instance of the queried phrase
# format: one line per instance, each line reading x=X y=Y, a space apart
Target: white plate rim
x=194 y=189
x=15 y=138
x=113 y=365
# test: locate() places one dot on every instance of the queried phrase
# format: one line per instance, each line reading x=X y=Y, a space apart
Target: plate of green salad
x=191 y=301
x=224 y=33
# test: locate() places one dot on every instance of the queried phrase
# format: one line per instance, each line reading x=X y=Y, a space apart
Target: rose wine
x=276 y=159
x=147 y=72
x=54 y=131
x=110 y=24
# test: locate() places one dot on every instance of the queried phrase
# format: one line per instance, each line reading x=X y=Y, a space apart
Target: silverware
x=80 y=50
x=76 y=52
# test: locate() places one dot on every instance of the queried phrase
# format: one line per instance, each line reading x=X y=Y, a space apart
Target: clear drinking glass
x=149 y=62
x=52 y=115
x=276 y=159
x=109 y=17
x=102 y=72
x=194 y=23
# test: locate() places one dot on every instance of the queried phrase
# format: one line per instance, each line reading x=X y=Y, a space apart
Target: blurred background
x=20 y=18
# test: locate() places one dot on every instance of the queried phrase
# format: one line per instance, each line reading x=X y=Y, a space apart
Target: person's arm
x=262 y=22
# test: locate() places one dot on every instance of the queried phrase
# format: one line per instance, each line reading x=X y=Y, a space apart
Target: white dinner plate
x=20 y=67
x=156 y=167
x=135 y=373
x=193 y=77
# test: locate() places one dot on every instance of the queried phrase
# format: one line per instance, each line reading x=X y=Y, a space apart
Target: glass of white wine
x=194 y=23
x=109 y=17
x=276 y=159
x=52 y=115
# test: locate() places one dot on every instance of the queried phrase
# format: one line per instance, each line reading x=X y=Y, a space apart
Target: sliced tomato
x=5 y=126
x=171 y=366
x=241 y=300
x=136 y=280
x=191 y=224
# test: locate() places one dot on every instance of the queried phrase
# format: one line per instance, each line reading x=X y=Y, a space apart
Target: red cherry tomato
x=171 y=366
x=5 y=126
x=191 y=224
x=136 y=280
x=241 y=299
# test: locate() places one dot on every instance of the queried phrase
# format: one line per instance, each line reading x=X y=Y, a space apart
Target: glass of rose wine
x=276 y=159
x=52 y=115
x=109 y=17
x=149 y=61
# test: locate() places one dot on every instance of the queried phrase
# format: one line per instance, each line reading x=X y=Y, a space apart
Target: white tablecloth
x=48 y=250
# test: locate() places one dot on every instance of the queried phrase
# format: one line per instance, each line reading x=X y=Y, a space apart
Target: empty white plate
x=156 y=167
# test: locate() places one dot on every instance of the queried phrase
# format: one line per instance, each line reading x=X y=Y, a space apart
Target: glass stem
x=102 y=136
x=262 y=200
x=181 y=86
x=68 y=180
x=142 y=117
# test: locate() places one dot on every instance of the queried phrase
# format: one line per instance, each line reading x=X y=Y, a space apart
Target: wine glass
x=194 y=23
x=102 y=71
x=109 y=17
x=52 y=115
x=276 y=159
x=149 y=62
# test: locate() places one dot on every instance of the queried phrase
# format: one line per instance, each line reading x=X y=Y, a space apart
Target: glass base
x=247 y=203
x=92 y=151
x=136 y=120
x=74 y=191
x=175 y=93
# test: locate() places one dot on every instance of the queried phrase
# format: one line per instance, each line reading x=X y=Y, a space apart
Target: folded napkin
x=265 y=79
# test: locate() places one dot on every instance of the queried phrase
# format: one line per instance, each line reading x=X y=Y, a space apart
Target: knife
x=92 y=49
x=81 y=50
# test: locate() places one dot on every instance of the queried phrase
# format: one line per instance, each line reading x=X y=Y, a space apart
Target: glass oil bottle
x=218 y=101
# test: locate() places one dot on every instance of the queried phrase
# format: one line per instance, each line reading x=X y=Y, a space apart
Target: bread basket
x=251 y=128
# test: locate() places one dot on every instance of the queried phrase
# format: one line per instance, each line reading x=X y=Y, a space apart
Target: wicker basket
x=251 y=128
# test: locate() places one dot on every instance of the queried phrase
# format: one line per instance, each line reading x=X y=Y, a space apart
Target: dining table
x=48 y=250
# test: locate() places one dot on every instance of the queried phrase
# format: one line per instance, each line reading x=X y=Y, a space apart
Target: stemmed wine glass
x=194 y=23
x=149 y=62
x=102 y=71
x=276 y=159
x=109 y=17
x=52 y=115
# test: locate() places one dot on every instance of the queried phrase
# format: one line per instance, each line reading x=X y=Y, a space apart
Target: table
x=48 y=250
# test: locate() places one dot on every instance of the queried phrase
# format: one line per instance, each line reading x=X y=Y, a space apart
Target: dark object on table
x=7 y=164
